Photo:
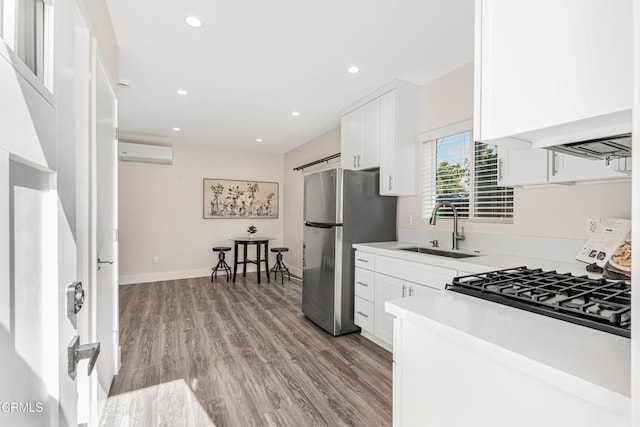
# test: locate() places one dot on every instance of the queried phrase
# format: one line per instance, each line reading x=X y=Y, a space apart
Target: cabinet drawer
x=365 y=260
x=423 y=274
x=364 y=284
x=363 y=314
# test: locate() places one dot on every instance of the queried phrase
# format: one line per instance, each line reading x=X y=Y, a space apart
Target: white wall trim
x=295 y=271
x=128 y=279
x=448 y=130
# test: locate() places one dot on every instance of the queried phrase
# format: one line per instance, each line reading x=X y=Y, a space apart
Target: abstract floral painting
x=225 y=198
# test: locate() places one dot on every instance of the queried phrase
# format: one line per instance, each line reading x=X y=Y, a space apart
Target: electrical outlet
x=592 y=225
x=155 y=259
x=410 y=219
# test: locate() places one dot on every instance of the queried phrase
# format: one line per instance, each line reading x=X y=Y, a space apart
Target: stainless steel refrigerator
x=341 y=207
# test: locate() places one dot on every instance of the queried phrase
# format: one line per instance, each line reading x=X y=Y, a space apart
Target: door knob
x=77 y=352
x=103 y=263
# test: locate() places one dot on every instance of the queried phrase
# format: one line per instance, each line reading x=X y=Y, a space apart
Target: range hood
x=607 y=148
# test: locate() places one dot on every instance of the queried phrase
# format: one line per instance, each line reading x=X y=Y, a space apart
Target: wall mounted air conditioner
x=144 y=153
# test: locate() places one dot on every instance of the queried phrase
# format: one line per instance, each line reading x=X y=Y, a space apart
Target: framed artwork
x=227 y=198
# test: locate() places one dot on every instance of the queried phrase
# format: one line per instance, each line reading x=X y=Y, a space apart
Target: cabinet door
x=351 y=139
x=387 y=288
x=518 y=166
x=542 y=63
x=567 y=168
x=370 y=149
x=388 y=144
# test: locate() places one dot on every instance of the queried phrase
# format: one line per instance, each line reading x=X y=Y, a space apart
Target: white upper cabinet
x=518 y=166
x=360 y=137
x=399 y=125
x=550 y=72
x=521 y=166
x=381 y=131
x=564 y=167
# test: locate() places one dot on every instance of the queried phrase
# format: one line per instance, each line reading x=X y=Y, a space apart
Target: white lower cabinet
x=383 y=278
x=364 y=314
x=387 y=288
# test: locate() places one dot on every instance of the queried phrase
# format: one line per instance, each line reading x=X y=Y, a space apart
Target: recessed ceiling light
x=176 y=129
x=182 y=92
x=295 y=113
x=259 y=140
x=353 y=69
x=192 y=21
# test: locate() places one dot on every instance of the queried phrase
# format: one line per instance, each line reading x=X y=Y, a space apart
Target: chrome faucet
x=455 y=235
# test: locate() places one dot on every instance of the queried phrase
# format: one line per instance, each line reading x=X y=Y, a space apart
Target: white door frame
x=98 y=65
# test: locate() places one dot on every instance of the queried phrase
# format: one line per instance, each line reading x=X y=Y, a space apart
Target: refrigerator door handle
x=321 y=225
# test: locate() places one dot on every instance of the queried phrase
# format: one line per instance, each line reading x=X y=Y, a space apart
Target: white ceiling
x=253 y=62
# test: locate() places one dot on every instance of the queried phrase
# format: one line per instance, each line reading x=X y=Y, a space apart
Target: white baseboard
x=128 y=279
x=377 y=341
x=295 y=271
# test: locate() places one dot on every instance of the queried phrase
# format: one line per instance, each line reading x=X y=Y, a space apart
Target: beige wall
x=554 y=211
x=161 y=211
x=322 y=146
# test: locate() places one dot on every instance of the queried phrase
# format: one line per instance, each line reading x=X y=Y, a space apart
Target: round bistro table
x=244 y=242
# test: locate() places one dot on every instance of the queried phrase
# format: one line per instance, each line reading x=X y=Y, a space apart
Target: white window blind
x=490 y=201
x=464 y=173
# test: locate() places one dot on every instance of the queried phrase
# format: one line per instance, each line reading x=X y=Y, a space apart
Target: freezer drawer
x=319 y=277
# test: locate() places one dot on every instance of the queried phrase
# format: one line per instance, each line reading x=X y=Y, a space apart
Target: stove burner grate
x=597 y=303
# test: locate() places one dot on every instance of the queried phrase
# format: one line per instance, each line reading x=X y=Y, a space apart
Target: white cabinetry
x=360 y=133
x=521 y=166
x=380 y=131
x=364 y=313
x=551 y=72
x=524 y=166
x=379 y=279
x=564 y=167
x=398 y=123
x=387 y=288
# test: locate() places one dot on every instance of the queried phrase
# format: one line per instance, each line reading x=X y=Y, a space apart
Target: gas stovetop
x=597 y=303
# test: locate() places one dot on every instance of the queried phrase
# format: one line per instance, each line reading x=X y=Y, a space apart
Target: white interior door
x=29 y=321
x=105 y=208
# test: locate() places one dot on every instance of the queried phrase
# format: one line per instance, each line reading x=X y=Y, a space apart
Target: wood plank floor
x=196 y=353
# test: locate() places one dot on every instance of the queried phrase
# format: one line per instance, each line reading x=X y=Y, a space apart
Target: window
x=22 y=27
x=29 y=45
x=457 y=170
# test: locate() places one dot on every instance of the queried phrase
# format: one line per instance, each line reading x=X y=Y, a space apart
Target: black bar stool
x=279 y=266
x=222 y=264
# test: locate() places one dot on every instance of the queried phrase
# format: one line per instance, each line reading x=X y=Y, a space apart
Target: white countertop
x=585 y=362
x=485 y=261
x=592 y=364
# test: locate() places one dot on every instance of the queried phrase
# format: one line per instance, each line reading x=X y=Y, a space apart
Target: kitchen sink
x=438 y=252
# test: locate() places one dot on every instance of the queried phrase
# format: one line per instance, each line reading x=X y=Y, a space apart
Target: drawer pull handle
x=363 y=260
x=362 y=314
x=362 y=283
x=410 y=291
